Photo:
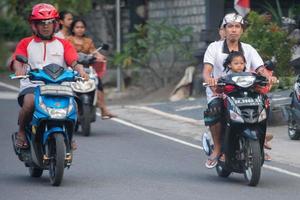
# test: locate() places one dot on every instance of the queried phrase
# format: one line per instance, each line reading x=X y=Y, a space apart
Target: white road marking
x=281 y=98
x=171 y=116
x=9 y=86
x=276 y=169
x=189 y=108
x=154 y=132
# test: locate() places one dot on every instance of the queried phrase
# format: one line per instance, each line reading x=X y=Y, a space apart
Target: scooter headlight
x=244 y=81
x=262 y=116
x=83 y=86
x=53 y=112
x=57 y=113
x=42 y=105
x=236 y=117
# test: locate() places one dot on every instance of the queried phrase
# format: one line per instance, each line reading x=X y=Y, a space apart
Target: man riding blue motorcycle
x=40 y=49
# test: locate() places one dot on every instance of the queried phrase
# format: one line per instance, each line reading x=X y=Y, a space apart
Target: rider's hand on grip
x=210 y=82
x=84 y=75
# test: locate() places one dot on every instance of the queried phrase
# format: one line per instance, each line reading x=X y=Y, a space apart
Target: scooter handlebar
x=13 y=76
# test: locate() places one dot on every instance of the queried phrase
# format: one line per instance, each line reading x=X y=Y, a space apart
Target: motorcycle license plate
x=246 y=101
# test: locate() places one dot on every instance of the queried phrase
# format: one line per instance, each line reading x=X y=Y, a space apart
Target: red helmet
x=43 y=11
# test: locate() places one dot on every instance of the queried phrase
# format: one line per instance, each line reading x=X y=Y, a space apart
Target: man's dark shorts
x=29 y=90
x=214 y=112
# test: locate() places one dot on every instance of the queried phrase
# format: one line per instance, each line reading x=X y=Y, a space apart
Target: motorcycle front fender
x=84 y=98
x=50 y=132
x=251 y=134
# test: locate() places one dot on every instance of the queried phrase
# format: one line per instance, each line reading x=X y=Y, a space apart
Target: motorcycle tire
x=35 y=172
x=85 y=121
x=253 y=159
x=57 y=149
x=222 y=172
x=292 y=132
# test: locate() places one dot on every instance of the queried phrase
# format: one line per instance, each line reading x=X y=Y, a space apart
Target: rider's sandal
x=222 y=157
x=267 y=157
x=212 y=162
x=21 y=142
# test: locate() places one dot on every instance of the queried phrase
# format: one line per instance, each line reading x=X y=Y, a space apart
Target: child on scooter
x=236 y=62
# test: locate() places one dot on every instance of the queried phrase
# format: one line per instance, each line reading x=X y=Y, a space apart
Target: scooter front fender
x=50 y=132
x=85 y=99
x=251 y=134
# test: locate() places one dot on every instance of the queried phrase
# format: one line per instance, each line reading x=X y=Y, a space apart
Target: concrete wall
x=181 y=13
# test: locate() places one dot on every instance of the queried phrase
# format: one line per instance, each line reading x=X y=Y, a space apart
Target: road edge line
x=9 y=86
x=168 y=115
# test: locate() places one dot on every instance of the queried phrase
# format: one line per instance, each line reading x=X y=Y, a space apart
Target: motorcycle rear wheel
x=253 y=161
x=57 y=151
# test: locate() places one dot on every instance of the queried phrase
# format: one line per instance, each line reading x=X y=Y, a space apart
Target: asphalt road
x=120 y=162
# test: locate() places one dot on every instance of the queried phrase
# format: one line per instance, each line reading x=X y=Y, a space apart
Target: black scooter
x=293 y=112
x=244 y=126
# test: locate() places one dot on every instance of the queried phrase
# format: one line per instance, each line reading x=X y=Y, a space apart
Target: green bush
x=156 y=46
x=13 y=29
x=270 y=41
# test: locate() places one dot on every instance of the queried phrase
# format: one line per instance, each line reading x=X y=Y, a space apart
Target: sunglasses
x=44 y=22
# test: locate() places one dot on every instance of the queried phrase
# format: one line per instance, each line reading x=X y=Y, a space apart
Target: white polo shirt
x=217 y=52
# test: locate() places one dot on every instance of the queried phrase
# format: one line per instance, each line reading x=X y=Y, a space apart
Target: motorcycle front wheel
x=57 y=153
x=292 y=131
x=222 y=172
x=85 y=120
x=253 y=159
x=35 y=172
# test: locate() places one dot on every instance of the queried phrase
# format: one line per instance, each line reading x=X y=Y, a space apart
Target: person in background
x=65 y=21
x=84 y=44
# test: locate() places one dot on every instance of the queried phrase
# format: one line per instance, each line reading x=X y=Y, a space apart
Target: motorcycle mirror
x=269 y=65
x=22 y=59
x=105 y=47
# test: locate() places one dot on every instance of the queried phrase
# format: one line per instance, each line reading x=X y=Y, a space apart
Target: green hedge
x=13 y=29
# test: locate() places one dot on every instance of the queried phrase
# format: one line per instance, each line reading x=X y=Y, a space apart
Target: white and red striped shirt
x=41 y=53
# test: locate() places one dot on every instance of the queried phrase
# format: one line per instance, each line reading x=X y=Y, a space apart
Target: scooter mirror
x=105 y=47
x=22 y=59
x=269 y=65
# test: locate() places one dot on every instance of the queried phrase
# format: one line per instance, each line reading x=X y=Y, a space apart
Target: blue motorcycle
x=50 y=132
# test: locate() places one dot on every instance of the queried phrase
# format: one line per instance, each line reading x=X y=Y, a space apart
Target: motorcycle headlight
x=53 y=112
x=83 y=86
x=70 y=107
x=262 y=116
x=244 y=81
x=57 y=113
x=42 y=105
x=236 y=117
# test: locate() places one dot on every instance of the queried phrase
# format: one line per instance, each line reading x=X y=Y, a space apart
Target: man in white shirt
x=214 y=58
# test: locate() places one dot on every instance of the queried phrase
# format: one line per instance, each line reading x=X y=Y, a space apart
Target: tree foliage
x=14 y=14
x=271 y=41
x=156 y=46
